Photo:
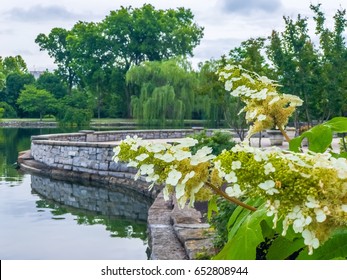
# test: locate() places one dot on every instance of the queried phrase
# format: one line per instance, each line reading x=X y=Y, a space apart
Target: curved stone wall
x=90 y=153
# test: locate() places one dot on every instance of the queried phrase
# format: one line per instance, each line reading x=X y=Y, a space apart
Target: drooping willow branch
x=231 y=199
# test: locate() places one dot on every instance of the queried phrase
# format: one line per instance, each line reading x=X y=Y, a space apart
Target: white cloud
x=250 y=6
x=39 y=13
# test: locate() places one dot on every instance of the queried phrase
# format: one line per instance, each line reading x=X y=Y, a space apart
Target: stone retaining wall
x=89 y=152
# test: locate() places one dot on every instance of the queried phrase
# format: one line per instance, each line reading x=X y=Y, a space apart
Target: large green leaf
x=239 y=216
x=338 y=124
x=282 y=248
x=242 y=246
x=333 y=248
x=320 y=136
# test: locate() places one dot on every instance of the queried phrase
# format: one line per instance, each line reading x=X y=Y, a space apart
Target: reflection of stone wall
x=121 y=202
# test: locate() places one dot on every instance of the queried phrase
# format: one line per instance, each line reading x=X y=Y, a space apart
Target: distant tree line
x=134 y=64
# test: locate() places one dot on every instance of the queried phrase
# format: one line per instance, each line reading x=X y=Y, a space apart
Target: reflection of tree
x=123 y=228
x=13 y=141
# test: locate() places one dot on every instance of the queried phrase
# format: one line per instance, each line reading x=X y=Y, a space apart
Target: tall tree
x=52 y=83
x=333 y=84
x=55 y=43
x=35 y=100
x=295 y=59
x=166 y=91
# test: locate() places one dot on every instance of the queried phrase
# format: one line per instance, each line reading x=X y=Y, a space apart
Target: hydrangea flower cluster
x=305 y=191
x=265 y=108
x=174 y=165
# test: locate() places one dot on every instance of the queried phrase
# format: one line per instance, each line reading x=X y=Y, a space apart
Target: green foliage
x=8 y=110
x=36 y=100
x=223 y=210
x=90 y=53
x=75 y=109
x=320 y=136
x=334 y=248
x=166 y=92
x=52 y=83
x=242 y=243
x=218 y=141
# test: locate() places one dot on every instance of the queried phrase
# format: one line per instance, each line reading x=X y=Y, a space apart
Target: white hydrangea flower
x=320 y=215
x=194 y=191
x=116 y=150
x=147 y=169
x=202 y=155
x=236 y=165
x=166 y=193
x=165 y=157
x=260 y=95
x=173 y=177
x=231 y=177
x=234 y=191
x=300 y=223
x=156 y=147
x=274 y=100
x=225 y=75
x=187 y=142
x=181 y=155
x=188 y=176
x=250 y=115
x=132 y=163
x=228 y=85
x=229 y=67
x=312 y=202
x=310 y=240
x=142 y=157
x=340 y=165
x=248 y=77
x=180 y=190
x=268 y=168
x=261 y=117
x=269 y=187
x=265 y=80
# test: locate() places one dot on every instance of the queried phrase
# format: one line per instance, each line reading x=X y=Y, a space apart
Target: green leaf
x=243 y=245
x=338 y=124
x=239 y=215
x=333 y=248
x=212 y=207
x=319 y=138
x=295 y=144
x=282 y=248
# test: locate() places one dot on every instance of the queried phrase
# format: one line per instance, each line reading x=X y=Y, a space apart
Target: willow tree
x=165 y=92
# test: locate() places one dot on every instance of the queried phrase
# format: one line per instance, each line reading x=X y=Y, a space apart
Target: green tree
x=333 y=68
x=36 y=100
x=52 y=83
x=15 y=82
x=10 y=65
x=75 y=109
x=166 y=91
x=55 y=43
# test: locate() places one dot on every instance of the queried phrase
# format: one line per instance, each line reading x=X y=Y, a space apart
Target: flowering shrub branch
x=306 y=192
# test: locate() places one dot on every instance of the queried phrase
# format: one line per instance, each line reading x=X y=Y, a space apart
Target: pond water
x=47 y=219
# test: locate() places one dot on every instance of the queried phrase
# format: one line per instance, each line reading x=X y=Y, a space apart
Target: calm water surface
x=45 y=219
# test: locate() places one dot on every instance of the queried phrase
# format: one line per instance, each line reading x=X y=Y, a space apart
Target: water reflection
x=123 y=212
x=44 y=219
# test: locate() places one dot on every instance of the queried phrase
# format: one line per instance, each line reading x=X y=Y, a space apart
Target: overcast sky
x=226 y=22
